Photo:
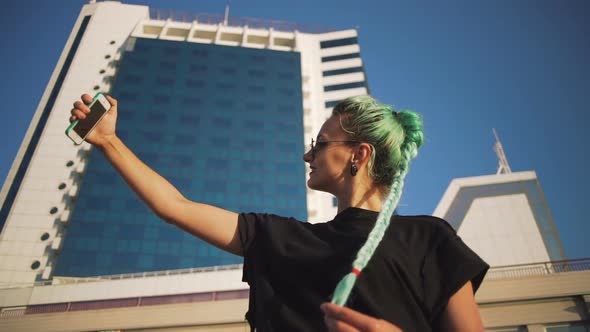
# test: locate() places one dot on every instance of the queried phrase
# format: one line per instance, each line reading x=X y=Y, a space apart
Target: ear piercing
x=353 y=169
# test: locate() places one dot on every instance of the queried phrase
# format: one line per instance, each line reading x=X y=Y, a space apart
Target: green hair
x=394 y=138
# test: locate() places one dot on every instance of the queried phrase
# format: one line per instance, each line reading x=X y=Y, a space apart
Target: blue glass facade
x=223 y=124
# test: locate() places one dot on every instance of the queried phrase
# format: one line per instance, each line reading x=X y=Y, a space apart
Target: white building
x=502 y=217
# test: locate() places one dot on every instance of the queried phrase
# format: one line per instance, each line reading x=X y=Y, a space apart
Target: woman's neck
x=361 y=197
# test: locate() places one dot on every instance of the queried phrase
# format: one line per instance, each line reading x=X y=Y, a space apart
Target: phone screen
x=85 y=125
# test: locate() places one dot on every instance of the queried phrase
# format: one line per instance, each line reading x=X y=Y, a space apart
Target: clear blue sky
x=521 y=67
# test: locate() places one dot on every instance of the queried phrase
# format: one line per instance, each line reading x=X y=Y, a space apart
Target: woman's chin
x=315 y=185
x=312 y=183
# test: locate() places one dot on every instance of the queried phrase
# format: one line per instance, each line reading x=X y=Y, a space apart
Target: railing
x=538 y=269
x=256 y=23
x=75 y=280
x=193 y=270
x=497 y=272
x=123 y=303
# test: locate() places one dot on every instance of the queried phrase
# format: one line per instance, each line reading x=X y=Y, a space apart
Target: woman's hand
x=341 y=319
x=105 y=129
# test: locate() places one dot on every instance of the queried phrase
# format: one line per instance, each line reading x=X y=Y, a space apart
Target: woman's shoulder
x=269 y=222
x=423 y=223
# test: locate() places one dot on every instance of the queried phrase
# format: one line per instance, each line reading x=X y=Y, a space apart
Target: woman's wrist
x=106 y=141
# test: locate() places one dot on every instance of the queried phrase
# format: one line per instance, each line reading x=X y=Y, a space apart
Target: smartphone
x=80 y=128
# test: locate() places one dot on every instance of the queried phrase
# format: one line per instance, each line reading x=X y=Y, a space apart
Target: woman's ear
x=362 y=153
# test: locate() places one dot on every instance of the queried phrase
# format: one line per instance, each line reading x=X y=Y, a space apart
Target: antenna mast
x=503 y=167
x=226 y=13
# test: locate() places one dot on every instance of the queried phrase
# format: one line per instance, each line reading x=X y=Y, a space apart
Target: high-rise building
x=222 y=107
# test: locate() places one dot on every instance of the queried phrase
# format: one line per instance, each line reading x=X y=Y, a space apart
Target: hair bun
x=412 y=124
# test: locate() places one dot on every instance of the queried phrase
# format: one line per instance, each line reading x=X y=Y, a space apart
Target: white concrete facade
x=21 y=243
x=501 y=227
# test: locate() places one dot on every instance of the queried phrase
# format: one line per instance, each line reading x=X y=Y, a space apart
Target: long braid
x=409 y=150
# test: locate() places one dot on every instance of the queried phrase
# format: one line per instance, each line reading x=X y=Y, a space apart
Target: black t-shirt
x=292 y=267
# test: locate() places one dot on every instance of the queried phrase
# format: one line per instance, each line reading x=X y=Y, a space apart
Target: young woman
x=392 y=272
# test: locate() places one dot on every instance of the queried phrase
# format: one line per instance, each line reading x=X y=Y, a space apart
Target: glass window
x=249 y=188
x=191 y=100
x=330 y=104
x=285 y=189
x=287 y=147
x=201 y=53
x=229 y=70
x=229 y=55
x=289 y=60
x=171 y=50
x=197 y=68
x=281 y=167
x=344 y=86
x=214 y=186
x=285 y=127
x=256 y=58
x=132 y=79
x=248 y=166
x=155 y=117
x=253 y=124
x=343 y=71
x=194 y=83
x=184 y=160
x=190 y=119
x=219 y=142
x=125 y=96
x=218 y=164
x=572 y=327
x=161 y=99
x=152 y=136
x=256 y=73
x=225 y=103
x=339 y=42
x=165 y=81
x=222 y=122
x=341 y=57
x=286 y=76
x=226 y=86
x=137 y=61
x=286 y=92
x=257 y=89
x=249 y=142
x=168 y=65
x=142 y=47
x=286 y=108
x=184 y=139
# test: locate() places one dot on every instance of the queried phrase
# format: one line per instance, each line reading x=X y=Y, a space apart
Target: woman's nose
x=307 y=157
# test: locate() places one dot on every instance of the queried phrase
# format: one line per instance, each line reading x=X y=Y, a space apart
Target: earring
x=353 y=169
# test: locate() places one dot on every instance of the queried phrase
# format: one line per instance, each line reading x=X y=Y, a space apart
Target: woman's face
x=330 y=162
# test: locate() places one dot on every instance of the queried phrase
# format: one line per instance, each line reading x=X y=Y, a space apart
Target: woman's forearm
x=157 y=192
